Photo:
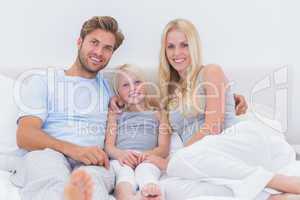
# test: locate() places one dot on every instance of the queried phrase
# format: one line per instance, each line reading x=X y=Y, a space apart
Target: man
x=64 y=129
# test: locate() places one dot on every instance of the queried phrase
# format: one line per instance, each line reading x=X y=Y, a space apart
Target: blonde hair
x=167 y=74
x=105 y=23
x=124 y=70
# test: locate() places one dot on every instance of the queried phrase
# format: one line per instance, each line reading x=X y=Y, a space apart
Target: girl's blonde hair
x=168 y=76
x=125 y=70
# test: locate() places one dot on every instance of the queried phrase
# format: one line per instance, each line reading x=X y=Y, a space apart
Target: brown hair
x=105 y=23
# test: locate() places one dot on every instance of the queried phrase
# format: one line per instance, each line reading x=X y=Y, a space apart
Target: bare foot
x=80 y=186
x=285 y=197
x=151 y=191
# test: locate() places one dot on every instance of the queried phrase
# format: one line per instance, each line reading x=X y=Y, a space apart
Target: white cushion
x=263 y=117
x=8 y=115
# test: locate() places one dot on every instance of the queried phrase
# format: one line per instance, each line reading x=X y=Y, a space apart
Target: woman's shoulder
x=212 y=71
x=211 y=68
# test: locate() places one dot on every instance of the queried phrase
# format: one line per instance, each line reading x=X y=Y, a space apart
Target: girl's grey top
x=137 y=131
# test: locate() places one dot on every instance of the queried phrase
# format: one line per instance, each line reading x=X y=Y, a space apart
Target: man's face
x=95 y=50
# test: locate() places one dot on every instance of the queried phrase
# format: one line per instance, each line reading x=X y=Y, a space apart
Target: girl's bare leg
x=151 y=191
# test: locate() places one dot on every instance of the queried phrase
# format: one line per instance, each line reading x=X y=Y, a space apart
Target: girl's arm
x=111 y=135
x=215 y=86
x=129 y=158
x=164 y=137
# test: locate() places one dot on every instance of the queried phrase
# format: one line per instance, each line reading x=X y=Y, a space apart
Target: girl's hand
x=129 y=158
x=142 y=157
x=116 y=104
x=161 y=163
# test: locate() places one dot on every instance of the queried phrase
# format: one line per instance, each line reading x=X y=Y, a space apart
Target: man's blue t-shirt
x=72 y=109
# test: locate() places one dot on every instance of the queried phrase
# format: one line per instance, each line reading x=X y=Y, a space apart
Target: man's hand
x=240 y=104
x=116 y=104
x=90 y=156
x=129 y=158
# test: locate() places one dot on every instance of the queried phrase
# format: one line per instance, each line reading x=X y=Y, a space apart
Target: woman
x=243 y=158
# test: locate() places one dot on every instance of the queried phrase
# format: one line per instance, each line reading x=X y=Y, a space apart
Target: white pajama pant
x=143 y=174
x=243 y=159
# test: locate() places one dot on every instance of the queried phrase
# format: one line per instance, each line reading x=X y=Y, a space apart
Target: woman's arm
x=215 y=86
x=164 y=137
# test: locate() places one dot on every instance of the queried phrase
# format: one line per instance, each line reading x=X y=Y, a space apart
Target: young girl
x=138 y=132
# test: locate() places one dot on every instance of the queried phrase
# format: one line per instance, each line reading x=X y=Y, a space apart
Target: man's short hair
x=105 y=23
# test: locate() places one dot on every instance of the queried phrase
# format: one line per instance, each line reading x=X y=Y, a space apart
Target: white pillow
x=8 y=114
x=264 y=117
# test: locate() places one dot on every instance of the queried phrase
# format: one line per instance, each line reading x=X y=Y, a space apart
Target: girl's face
x=131 y=89
x=177 y=51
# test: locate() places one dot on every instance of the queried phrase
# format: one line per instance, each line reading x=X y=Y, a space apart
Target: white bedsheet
x=7 y=190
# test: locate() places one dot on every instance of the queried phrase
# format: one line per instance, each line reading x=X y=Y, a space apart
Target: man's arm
x=240 y=104
x=30 y=136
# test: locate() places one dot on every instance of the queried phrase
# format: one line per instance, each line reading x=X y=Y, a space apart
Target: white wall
x=234 y=32
x=240 y=35
x=290 y=45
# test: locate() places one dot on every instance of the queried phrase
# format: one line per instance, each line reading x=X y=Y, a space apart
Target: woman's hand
x=161 y=163
x=129 y=158
x=116 y=104
x=240 y=104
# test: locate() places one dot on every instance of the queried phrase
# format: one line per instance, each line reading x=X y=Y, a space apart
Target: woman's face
x=131 y=89
x=177 y=51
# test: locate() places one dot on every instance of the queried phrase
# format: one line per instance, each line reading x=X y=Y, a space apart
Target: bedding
x=8 y=137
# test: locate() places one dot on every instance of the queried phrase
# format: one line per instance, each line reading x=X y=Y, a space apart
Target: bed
x=8 y=129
